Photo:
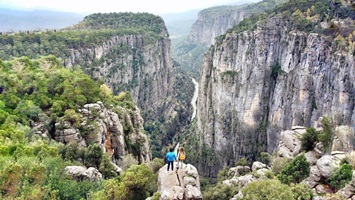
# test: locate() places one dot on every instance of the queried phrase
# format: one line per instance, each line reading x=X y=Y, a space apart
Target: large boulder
x=182 y=183
x=344 y=139
x=327 y=164
x=290 y=143
x=258 y=165
x=80 y=173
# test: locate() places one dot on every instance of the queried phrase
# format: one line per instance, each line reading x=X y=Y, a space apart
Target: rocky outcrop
x=109 y=129
x=183 y=183
x=81 y=173
x=256 y=83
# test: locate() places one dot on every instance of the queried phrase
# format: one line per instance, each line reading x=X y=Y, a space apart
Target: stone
x=189 y=181
x=311 y=157
x=327 y=165
x=180 y=184
x=191 y=170
x=258 y=165
x=92 y=174
x=344 y=139
x=192 y=193
x=245 y=180
x=75 y=171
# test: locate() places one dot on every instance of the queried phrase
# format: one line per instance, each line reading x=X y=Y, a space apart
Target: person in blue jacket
x=170 y=157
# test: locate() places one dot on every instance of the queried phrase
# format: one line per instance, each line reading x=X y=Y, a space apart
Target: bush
x=295 y=171
x=223 y=174
x=264 y=157
x=267 y=189
x=242 y=162
x=326 y=135
x=309 y=139
x=277 y=164
x=341 y=176
x=302 y=191
x=221 y=192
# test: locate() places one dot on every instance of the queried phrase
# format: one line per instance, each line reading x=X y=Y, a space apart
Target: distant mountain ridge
x=12 y=20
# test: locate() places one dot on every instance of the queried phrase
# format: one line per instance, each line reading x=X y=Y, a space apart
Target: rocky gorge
x=256 y=83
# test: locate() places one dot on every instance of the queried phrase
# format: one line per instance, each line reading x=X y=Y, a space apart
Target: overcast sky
x=91 y=6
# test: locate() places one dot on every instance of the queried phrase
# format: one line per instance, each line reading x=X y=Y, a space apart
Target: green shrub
x=309 y=139
x=302 y=192
x=221 y=192
x=277 y=164
x=242 y=162
x=326 y=135
x=264 y=157
x=341 y=176
x=223 y=174
x=267 y=189
x=295 y=171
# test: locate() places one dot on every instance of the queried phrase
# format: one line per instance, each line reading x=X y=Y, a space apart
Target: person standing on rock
x=170 y=157
x=181 y=156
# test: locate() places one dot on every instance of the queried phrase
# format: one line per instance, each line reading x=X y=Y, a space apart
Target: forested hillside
x=36 y=97
x=128 y=52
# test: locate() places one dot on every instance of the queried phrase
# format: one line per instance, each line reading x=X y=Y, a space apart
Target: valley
x=260 y=95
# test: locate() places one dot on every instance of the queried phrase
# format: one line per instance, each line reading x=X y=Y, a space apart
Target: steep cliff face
x=258 y=82
x=130 y=63
x=211 y=23
x=215 y=21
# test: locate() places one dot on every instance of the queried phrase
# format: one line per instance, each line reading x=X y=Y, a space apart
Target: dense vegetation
x=306 y=16
x=32 y=167
x=93 y=30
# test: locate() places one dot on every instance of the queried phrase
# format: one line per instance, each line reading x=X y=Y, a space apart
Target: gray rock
x=327 y=165
x=189 y=181
x=311 y=157
x=344 y=139
x=180 y=184
x=192 y=193
x=258 y=165
x=92 y=174
x=79 y=173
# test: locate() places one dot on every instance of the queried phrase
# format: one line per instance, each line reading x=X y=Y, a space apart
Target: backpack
x=181 y=156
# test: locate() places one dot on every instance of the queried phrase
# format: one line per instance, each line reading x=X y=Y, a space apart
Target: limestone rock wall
x=256 y=83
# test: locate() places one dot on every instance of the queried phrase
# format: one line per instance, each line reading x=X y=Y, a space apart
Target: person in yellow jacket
x=181 y=156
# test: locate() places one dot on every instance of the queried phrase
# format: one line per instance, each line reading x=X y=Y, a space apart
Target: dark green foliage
x=327 y=133
x=341 y=176
x=93 y=156
x=264 y=157
x=295 y=171
x=242 y=162
x=223 y=174
x=267 y=189
x=309 y=139
x=302 y=192
x=220 y=191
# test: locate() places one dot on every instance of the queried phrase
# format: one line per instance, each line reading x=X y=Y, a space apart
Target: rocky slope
x=117 y=131
x=260 y=79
